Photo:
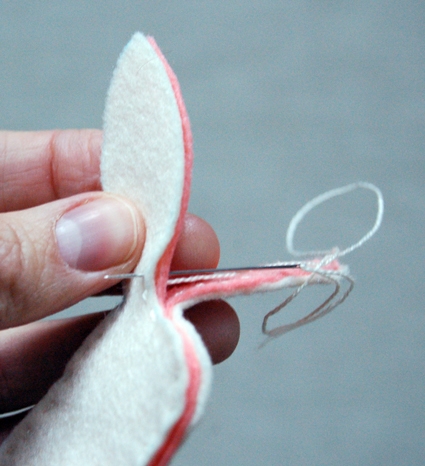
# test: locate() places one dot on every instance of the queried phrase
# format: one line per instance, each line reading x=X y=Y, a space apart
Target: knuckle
x=74 y=161
x=17 y=257
x=89 y=170
x=55 y=145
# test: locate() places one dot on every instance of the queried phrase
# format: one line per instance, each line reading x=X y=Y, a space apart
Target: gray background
x=287 y=100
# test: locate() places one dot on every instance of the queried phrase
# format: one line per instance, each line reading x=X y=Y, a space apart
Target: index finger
x=43 y=166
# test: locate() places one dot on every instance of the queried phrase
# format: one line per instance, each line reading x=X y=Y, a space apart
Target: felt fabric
x=141 y=379
x=134 y=386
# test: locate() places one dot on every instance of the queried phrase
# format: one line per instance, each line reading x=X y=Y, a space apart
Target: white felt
x=143 y=152
x=126 y=387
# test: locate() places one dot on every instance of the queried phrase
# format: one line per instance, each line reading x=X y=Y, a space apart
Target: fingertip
x=198 y=246
x=218 y=324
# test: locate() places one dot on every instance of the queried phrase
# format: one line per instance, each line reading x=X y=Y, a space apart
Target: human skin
x=45 y=177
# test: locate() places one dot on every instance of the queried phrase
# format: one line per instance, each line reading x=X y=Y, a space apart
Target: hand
x=59 y=236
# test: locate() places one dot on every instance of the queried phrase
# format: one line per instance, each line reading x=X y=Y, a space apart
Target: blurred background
x=287 y=100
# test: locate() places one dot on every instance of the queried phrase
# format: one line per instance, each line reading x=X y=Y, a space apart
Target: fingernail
x=97 y=235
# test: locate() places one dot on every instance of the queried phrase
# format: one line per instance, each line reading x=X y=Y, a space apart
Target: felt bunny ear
x=129 y=394
x=147 y=149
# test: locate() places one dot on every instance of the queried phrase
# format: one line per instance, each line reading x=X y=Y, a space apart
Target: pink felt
x=245 y=283
x=174 y=299
x=177 y=432
x=163 y=267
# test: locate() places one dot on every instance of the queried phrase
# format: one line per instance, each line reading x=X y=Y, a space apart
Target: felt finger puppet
x=141 y=379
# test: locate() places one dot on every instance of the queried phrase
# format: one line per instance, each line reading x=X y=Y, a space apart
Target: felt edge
x=247 y=283
x=197 y=357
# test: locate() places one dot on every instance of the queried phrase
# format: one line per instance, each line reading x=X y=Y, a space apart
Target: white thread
x=299 y=216
x=225 y=275
x=200 y=278
x=327 y=306
x=328 y=257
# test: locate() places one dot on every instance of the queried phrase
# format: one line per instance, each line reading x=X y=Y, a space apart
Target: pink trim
x=163 y=267
x=177 y=432
x=242 y=282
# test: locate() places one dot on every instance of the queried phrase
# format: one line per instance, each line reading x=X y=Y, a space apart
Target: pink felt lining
x=177 y=432
x=241 y=283
x=163 y=267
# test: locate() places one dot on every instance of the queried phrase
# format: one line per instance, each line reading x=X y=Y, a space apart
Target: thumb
x=57 y=254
